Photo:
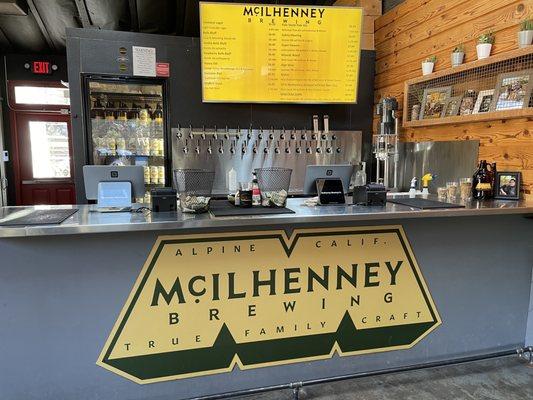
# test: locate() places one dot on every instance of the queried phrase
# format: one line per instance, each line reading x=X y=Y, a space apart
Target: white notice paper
x=143 y=61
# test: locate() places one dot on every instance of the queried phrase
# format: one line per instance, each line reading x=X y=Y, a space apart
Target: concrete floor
x=504 y=378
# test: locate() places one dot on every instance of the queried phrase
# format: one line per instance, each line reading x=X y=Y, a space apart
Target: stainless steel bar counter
x=171 y=306
x=85 y=221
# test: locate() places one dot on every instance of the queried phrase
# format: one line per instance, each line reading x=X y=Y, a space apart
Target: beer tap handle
x=326 y=124
x=315 y=124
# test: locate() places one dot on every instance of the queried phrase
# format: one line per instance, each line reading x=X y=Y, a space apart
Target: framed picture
x=451 y=106
x=513 y=90
x=467 y=103
x=433 y=102
x=483 y=102
x=507 y=185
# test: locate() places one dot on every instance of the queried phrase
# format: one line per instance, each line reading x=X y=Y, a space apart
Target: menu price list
x=249 y=58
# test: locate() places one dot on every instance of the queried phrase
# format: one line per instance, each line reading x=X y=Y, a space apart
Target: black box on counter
x=372 y=194
x=163 y=200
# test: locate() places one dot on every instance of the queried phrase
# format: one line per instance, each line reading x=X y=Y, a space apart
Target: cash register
x=113 y=187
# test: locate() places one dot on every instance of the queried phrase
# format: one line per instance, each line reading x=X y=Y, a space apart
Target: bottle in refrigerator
x=109 y=111
x=161 y=175
x=122 y=113
x=154 y=174
x=146 y=169
x=158 y=114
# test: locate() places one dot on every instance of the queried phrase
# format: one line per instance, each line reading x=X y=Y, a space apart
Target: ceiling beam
x=40 y=23
x=5 y=43
x=134 y=15
x=83 y=14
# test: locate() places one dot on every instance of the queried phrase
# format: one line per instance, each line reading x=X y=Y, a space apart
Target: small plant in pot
x=484 y=46
x=458 y=55
x=525 y=36
x=428 y=64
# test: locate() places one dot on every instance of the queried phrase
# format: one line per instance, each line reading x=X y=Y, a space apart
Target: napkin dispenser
x=372 y=194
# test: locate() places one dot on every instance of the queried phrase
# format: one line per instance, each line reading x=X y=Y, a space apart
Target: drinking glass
x=442 y=193
x=452 y=190
x=465 y=185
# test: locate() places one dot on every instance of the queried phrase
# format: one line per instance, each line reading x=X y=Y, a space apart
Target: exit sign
x=41 y=68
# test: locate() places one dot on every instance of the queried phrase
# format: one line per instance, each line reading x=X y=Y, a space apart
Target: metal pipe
x=396 y=152
x=298 y=385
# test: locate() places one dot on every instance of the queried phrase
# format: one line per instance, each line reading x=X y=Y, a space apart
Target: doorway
x=42 y=144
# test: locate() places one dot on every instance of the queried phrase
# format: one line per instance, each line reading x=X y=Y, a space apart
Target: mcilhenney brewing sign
x=204 y=304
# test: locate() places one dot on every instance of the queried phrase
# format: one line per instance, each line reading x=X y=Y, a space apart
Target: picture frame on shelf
x=507 y=185
x=433 y=102
x=468 y=102
x=451 y=106
x=513 y=90
x=484 y=101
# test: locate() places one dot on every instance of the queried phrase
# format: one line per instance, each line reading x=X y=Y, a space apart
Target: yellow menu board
x=280 y=54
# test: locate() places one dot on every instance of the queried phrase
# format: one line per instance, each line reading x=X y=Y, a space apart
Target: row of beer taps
x=258 y=141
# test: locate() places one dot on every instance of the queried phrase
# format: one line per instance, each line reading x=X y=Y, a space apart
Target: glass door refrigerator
x=127 y=125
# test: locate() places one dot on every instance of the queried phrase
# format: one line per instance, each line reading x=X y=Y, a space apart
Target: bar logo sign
x=205 y=304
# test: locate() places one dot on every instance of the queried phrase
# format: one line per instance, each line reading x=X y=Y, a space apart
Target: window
x=49 y=149
x=42 y=95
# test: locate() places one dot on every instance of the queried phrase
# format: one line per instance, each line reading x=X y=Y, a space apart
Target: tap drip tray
x=423 y=204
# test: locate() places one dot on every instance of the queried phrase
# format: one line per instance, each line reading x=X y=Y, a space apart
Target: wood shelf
x=463 y=119
x=458 y=73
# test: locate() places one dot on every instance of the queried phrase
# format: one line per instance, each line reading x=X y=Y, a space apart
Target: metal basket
x=274 y=183
x=194 y=187
x=273 y=179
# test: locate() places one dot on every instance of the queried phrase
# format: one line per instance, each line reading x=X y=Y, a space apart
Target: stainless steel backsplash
x=190 y=150
x=450 y=161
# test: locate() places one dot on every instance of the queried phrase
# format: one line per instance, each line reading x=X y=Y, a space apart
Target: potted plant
x=484 y=46
x=525 y=36
x=428 y=64
x=458 y=55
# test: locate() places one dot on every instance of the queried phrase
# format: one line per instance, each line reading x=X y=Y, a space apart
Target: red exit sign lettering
x=41 y=68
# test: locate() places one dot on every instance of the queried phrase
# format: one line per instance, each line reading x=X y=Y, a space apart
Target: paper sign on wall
x=144 y=61
x=204 y=304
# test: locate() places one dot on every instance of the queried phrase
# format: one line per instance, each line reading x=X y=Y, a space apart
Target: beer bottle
x=482 y=182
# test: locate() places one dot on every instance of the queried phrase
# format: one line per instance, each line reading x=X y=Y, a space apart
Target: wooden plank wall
x=417 y=29
x=371 y=10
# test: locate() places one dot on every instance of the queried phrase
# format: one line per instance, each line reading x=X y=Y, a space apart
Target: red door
x=43 y=158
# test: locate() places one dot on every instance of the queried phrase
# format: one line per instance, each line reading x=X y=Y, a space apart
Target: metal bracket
x=296 y=386
x=526 y=354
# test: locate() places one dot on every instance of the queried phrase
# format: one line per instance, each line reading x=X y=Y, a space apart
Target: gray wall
x=60 y=297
